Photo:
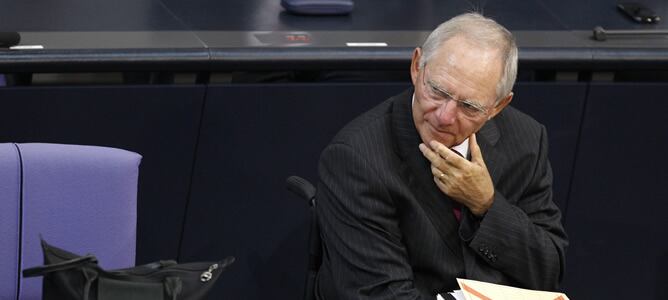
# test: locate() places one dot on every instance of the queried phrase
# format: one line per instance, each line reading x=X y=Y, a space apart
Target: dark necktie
x=456 y=207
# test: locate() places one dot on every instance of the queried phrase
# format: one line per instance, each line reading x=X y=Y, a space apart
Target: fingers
x=438 y=161
x=447 y=154
x=441 y=149
x=432 y=156
x=476 y=154
x=440 y=178
x=441 y=185
x=437 y=172
x=474 y=148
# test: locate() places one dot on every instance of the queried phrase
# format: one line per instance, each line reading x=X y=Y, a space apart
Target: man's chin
x=445 y=138
x=431 y=134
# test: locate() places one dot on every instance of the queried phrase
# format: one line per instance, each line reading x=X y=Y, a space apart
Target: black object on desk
x=318 y=7
x=8 y=39
x=639 y=13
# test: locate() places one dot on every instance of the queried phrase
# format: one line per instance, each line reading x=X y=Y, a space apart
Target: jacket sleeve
x=522 y=238
x=364 y=256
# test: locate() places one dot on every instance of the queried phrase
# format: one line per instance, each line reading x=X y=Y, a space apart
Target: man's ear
x=415 y=65
x=501 y=105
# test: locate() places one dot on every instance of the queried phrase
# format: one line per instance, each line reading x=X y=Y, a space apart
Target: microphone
x=602 y=34
x=8 y=39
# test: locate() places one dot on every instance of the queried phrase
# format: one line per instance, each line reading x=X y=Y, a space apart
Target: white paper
x=457 y=294
x=478 y=290
x=366 y=44
x=26 y=47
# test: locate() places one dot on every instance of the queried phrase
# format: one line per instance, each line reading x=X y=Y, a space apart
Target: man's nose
x=447 y=113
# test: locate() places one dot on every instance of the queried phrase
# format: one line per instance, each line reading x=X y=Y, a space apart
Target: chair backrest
x=80 y=198
x=10 y=201
x=305 y=190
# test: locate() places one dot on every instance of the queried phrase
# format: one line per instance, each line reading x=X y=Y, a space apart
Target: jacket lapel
x=416 y=169
x=488 y=136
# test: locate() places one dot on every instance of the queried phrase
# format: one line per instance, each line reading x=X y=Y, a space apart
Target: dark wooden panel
x=559 y=107
x=253 y=137
x=160 y=123
x=616 y=215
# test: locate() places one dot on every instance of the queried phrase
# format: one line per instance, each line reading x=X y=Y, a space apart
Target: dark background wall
x=216 y=157
x=223 y=107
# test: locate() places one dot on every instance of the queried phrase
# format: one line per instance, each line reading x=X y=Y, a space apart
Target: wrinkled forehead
x=471 y=70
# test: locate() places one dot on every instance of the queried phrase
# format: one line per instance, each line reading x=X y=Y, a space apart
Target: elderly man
x=442 y=181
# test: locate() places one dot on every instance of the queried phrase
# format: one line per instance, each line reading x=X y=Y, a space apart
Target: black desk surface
x=232 y=35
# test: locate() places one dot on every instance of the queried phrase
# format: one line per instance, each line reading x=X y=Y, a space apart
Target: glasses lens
x=470 y=110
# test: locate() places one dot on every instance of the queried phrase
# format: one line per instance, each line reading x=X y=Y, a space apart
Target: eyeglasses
x=469 y=109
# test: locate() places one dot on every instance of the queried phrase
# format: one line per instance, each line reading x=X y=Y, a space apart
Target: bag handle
x=64 y=265
x=90 y=276
x=145 y=269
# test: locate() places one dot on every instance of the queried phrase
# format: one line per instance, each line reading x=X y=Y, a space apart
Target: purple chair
x=10 y=197
x=79 y=198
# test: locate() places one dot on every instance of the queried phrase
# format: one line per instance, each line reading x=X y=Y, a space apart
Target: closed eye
x=441 y=92
x=472 y=107
x=469 y=105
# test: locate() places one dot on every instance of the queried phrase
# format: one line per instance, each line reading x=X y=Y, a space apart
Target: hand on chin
x=444 y=137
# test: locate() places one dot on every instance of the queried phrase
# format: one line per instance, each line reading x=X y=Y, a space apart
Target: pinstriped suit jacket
x=389 y=233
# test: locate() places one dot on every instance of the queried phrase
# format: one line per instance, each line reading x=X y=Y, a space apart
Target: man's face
x=455 y=92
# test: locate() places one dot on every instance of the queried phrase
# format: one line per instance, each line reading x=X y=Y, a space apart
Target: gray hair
x=484 y=31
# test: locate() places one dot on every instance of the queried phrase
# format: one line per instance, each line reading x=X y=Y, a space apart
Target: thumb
x=476 y=155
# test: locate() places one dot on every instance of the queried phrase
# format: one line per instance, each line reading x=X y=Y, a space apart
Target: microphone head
x=8 y=39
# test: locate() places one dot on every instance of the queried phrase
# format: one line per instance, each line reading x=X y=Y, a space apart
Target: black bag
x=69 y=276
